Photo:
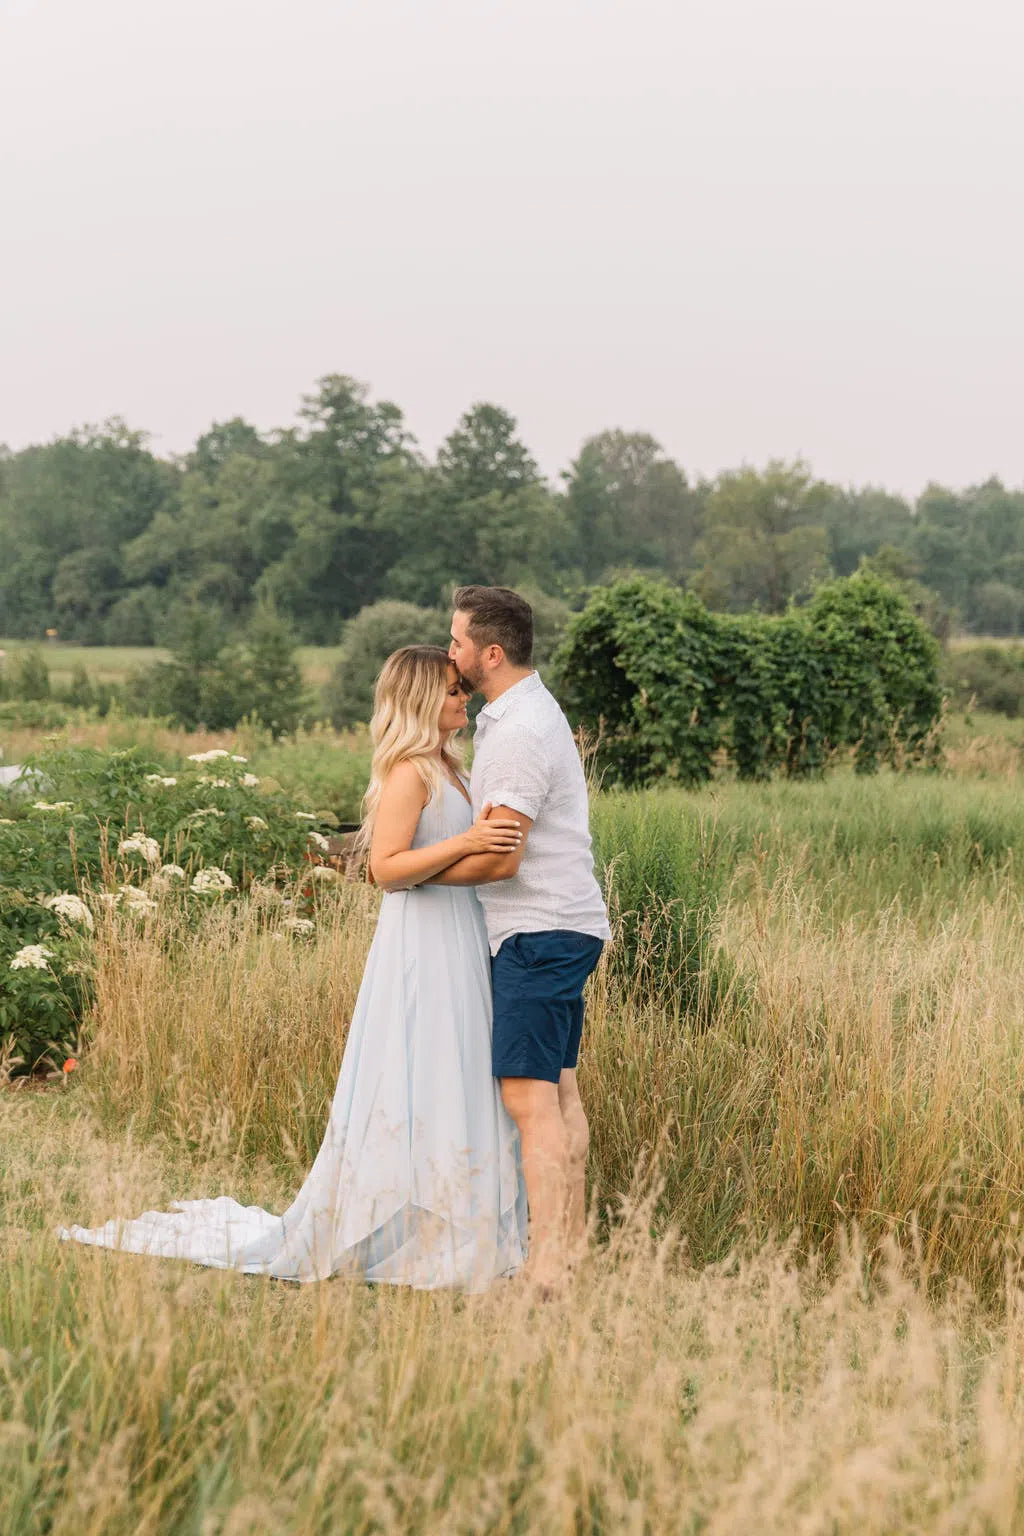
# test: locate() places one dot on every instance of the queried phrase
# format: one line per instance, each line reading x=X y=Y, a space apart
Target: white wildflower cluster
x=136 y=901
x=323 y=872
x=256 y=824
x=51 y=805
x=212 y=880
x=139 y=843
x=303 y=925
x=213 y=755
x=166 y=875
x=204 y=778
x=69 y=906
x=206 y=810
x=167 y=780
x=319 y=841
x=305 y=816
x=34 y=957
x=7 y=821
x=249 y=780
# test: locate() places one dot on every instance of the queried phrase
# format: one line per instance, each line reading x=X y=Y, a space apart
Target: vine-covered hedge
x=667 y=687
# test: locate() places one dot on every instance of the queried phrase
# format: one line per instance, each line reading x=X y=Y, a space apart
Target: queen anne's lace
x=147 y=846
x=212 y=879
x=35 y=957
x=69 y=906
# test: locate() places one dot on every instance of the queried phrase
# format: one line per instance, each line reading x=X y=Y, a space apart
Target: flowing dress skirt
x=418 y=1181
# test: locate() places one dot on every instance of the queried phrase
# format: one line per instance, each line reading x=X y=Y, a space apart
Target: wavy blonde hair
x=407 y=704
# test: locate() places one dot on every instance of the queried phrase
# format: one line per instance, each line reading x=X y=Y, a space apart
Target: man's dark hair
x=498 y=616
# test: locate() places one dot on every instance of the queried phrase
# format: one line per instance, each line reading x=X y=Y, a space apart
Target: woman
x=418 y=1180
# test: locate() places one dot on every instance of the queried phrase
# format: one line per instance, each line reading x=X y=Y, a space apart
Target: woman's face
x=453 y=710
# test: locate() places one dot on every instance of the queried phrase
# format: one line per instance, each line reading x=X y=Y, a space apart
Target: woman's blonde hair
x=407 y=705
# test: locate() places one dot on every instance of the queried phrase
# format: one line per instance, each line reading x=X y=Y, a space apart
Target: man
x=546 y=918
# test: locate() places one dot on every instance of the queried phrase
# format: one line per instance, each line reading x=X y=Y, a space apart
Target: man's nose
x=451 y=651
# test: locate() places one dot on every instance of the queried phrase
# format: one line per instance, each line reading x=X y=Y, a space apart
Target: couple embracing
x=456 y=1111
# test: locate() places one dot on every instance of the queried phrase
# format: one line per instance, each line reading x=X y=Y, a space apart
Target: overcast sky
x=754 y=228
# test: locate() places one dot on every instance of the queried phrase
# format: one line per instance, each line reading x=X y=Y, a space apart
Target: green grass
x=112 y=663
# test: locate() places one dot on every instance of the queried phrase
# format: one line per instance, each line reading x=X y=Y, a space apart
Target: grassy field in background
x=804 y=1308
x=112 y=663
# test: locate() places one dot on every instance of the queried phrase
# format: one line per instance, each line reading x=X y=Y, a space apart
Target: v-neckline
x=458 y=788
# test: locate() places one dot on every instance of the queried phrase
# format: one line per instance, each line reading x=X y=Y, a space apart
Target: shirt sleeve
x=517 y=772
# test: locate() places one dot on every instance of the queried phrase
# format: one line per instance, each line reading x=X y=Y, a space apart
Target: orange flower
x=70 y=1064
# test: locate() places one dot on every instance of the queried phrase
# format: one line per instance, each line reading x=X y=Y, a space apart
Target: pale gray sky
x=753 y=229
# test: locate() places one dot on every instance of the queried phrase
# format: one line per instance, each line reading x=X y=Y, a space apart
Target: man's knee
x=528 y=1099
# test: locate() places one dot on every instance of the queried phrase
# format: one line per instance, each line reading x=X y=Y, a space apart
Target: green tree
x=764 y=538
x=626 y=504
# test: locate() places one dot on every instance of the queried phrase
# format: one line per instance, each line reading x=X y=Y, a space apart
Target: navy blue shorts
x=538 y=1002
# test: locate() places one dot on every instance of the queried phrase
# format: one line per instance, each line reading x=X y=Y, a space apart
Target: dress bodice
x=445 y=815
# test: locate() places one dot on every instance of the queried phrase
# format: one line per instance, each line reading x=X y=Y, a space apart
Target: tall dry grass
x=140 y=1398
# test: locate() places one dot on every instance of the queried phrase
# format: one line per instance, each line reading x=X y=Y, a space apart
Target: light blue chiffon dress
x=419 y=1180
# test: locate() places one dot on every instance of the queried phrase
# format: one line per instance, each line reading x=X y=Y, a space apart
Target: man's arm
x=485 y=868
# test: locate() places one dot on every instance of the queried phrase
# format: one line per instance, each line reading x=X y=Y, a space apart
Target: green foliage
x=662 y=870
x=128 y=833
x=28 y=676
x=666 y=686
x=987 y=677
x=367 y=641
x=216 y=682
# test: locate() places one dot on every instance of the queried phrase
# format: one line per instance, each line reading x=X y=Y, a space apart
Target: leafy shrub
x=666 y=686
x=128 y=832
x=28 y=676
x=990 y=675
x=367 y=641
x=215 y=683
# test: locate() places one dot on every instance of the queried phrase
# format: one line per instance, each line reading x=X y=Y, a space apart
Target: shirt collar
x=498 y=706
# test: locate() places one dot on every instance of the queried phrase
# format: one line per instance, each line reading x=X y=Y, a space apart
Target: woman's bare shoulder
x=405 y=780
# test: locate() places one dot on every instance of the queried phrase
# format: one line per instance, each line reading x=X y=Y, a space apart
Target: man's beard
x=473 y=674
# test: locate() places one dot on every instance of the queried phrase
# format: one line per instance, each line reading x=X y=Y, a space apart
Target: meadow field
x=803 y=1309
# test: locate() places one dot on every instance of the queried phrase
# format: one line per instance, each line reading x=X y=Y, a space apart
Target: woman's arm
x=394 y=864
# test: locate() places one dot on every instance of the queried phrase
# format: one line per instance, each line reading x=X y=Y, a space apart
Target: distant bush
x=990 y=675
x=668 y=687
x=215 y=682
x=367 y=641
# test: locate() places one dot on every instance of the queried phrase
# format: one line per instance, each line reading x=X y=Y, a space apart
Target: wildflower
x=256 y=824
x=206 y=810
x=147 y=846
x=7 y=821
x=319 y=841
x=215 y=783
x=55 y=805
x=323 y=872
x=208 y=757
x=136 y=901
x=305 y=816
x=299 y=925
x=212 y=879
x=105 y=899
x=171 y=872
x=158 y=778
x=236 y=759
x=70 y=907
x=71 y=1065
x=249 y=780
x=33 y=957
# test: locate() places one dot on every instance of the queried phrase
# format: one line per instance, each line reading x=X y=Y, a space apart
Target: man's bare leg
x=534 y=1106
x=577 y=1135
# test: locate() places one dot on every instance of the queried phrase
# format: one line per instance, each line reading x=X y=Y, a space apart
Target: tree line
x=107 y=543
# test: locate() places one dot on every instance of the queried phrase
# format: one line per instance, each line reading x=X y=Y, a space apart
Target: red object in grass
x=70 y=1065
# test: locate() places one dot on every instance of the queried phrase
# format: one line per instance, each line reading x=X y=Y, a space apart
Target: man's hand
x=485 y=868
